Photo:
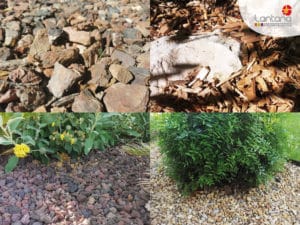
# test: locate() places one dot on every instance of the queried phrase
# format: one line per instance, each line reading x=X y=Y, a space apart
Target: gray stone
x=125 y=59
x=37 y=223
x=17 y=223
x=54 y=34
x=141 y=75
x=120 y=73
x=62 y=80
x=126 y=98
x=132 y=34
x=5 y=53
x=11 y=37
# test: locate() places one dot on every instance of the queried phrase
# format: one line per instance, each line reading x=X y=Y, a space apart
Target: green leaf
x=4 y=141
x=88 y=145
x=11 y=164
x=134 y=133
x=28 y=140
x=12 y=124
x=1 y=121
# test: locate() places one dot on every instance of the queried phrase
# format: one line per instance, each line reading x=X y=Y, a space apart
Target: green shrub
x=213 y=149
x=45 y=136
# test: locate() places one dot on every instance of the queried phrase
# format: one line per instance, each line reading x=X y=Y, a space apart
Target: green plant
x=290 y=123
x=212 y=149
x=47 y=135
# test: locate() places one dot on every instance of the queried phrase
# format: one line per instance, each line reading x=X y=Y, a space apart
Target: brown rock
x=22 y=75
x=144 y=28
x=90 y=55
x=86 y=102
x=81 y=37
x=62 y=80
x=120 y=73
x=9 y=96
x=126 y=98
x=40 y=44
x=64 y=57
x=144 y=60
x=58 y=109
x=48 y=72
x=100 y=76
x=24 y=43
x=2 y=34
x=40 y=109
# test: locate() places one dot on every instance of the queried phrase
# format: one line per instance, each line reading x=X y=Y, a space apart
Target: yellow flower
x=62 y=136
x=21 y=150
x=53 y=124
x=72 y=141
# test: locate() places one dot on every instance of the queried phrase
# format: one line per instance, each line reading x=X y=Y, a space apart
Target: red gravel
x=102 y=188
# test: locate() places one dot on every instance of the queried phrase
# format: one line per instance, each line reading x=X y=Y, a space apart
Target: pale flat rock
x=81 y=37
x=62 y=80
x=172 y=60
x=126 y=98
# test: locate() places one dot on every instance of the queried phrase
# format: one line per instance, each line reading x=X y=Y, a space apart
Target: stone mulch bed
x=102 y=188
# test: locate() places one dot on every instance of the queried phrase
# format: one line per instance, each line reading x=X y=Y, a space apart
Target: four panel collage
x=149 y=112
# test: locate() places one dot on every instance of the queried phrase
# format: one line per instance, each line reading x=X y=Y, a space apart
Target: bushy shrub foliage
x=203 y=150
x=45 y=136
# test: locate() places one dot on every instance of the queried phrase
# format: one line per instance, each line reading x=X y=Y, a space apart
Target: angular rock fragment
x=40 y=44
x=8 y=96
x=24 y=43
x=100 y=75
x=2 y=32
x=125 y=59
x=12 y=64
x=86 y=102
x=31 y=98
x=64 y=57
x=126 y=98
x=81 y=37
x=120 y=73
x=12 y=33
x=11 y=37
x=143 y=60
x=62 y=80
x=22 y=75
x=54 y=34
x=141 y=75
x=90 y=55
x=5 y=53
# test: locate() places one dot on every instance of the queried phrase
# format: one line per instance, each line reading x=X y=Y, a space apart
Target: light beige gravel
x=277 y=202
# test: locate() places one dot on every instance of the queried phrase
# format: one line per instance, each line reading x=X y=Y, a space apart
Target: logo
x=287 y=10
x=272 y=21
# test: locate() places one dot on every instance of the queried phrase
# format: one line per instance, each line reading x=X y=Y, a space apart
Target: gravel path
x=278 y=202
x=102 y=188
